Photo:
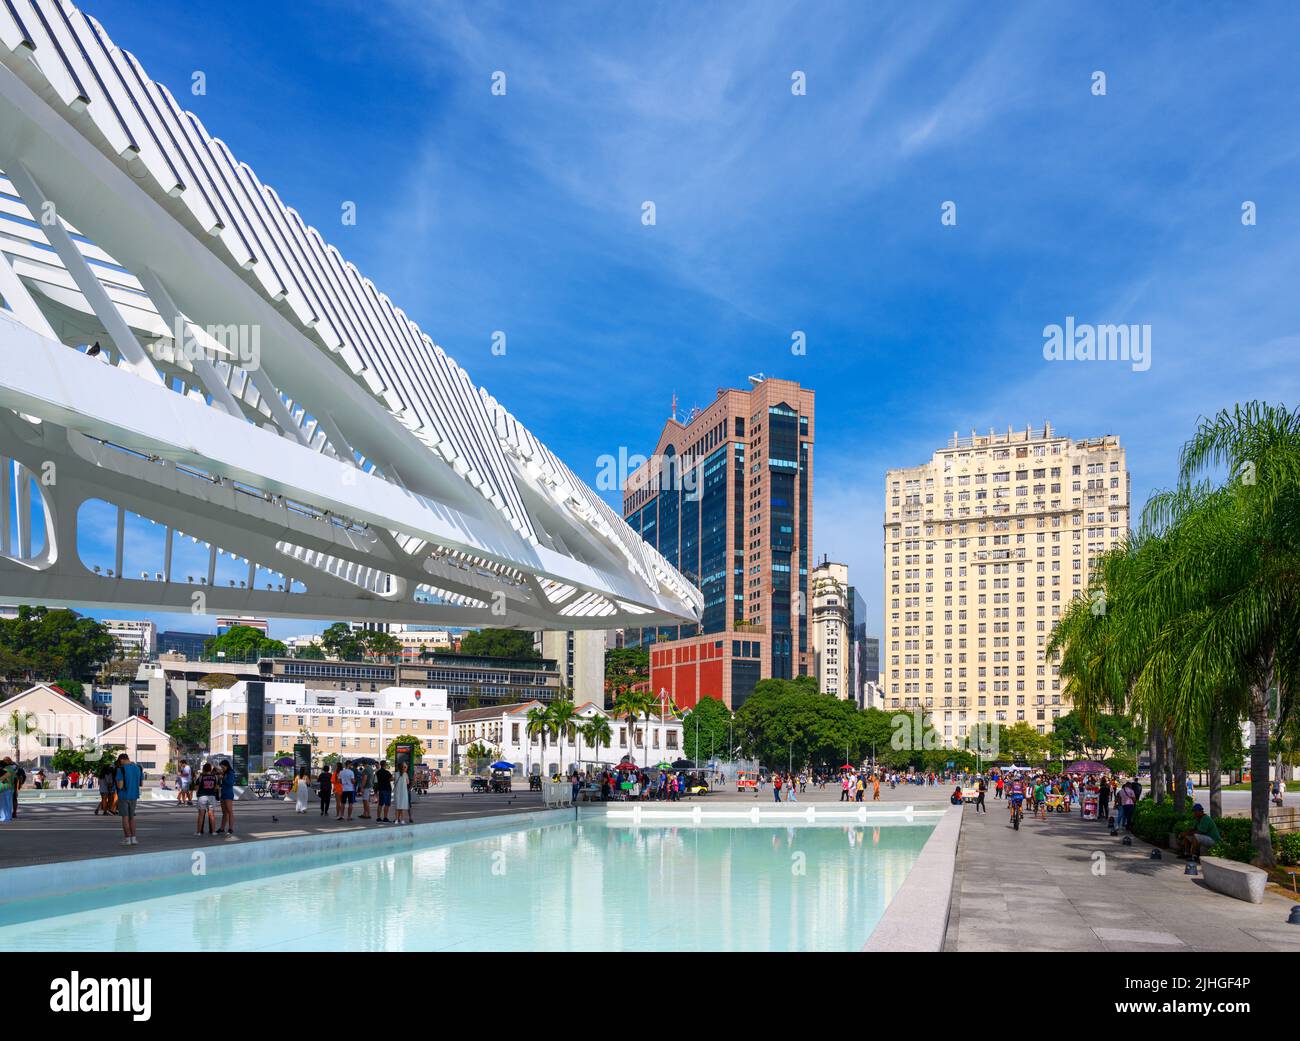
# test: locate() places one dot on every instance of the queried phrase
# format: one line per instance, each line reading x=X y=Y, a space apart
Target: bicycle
x=1017 y=812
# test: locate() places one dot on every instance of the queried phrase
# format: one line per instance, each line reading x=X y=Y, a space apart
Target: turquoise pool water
x=580 y=885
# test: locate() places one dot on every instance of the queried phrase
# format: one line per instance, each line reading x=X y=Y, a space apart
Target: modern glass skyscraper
x=727 y=499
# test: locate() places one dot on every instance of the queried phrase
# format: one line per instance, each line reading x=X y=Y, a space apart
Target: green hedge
x=1288 y=848
x=1155 y=822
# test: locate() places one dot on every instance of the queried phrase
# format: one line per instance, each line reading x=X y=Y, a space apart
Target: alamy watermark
x=1082 y=342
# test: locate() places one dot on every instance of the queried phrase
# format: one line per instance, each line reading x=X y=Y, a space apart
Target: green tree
x=343 y=642
x=417 y=747
x=537 y=724
x=16 y=725
x=42 y=644
x=563 y=723
x=380 y=644
x=192 y=732
x=630 y=706
x=706 y=730
x=499 y=643
x=243 y=643
x=310 y=652
x=596 y=732
x=1199 y=619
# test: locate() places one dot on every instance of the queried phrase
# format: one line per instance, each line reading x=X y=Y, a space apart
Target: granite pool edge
x=917 y=918
x=65 y=877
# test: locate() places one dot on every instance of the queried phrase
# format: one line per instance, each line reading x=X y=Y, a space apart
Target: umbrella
x=683 y=764
x=1088 y=766
x=847 y=766
x=501 y=764
x=284 y=760
x=665 y=765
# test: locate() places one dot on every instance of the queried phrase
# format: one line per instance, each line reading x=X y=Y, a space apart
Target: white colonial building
x=272 y=717
x=504 y=730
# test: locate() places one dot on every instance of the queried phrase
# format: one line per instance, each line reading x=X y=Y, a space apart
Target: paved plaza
x=1042 y=889
x=68 y=830
x=1037 y=889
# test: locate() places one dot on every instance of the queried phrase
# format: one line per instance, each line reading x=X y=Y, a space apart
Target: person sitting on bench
x=1203 y=836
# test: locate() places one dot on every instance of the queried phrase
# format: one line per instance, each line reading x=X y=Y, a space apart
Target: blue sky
x=778 y=213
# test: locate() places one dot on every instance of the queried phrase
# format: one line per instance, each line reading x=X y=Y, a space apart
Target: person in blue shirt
x=227 y=800
x=128 y=777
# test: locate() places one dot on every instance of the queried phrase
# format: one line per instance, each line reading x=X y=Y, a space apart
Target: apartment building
x=984 y=545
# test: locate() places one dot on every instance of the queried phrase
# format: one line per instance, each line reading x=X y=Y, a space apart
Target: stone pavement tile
x=992 y=902
x=1144 y=936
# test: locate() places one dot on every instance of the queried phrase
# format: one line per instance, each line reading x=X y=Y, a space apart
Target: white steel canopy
x=180 y=345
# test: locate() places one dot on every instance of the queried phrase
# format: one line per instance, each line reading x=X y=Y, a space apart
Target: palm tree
x=629 y=706
x=597 y=732
x=562 y=723
x=538 y=724
x=1200 y=609
x=17 y=725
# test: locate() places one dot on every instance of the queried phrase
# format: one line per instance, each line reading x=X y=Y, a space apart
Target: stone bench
x=1243 y=881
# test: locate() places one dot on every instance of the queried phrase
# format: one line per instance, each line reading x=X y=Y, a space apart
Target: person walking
x=997 y=787
x=776 y=787
x=383 y=793
x=226 y=779
x=127 y=780
x=844 y=787
x=1103 y=799
x=365 y=782
x=981 y=790
x=402 y=793
x=347 y=788
x=209 y=789
x=185 y=781
x=7 y=775
x=105 y=792
x=791 y=787
x=875 y=787
x=325 y=788
x=302 y=791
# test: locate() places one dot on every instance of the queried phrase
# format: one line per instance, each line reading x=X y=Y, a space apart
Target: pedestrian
x=365 y=782
x=184 y=795
x=7 y=774
x=226 y=778
x=20 y=778
x=402 y=793
x=844 y=787
x=383 y=792
x=107 y=795
x=981 y=790
x=1103 y=799
x=791 y=788
x=127 y=781
x=776 y=787
x=347 y=788
x=325 y=788
x=302 y=791
x=875 y=787
x=997 y=787
x=209 y=788
x=859 y=788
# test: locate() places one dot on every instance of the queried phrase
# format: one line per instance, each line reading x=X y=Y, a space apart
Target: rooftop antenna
x=757 y=378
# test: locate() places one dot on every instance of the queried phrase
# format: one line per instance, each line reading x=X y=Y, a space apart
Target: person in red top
x=997 y=788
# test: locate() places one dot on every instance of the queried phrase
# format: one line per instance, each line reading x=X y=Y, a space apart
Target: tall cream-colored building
x=832 y=629
x=985 y=545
